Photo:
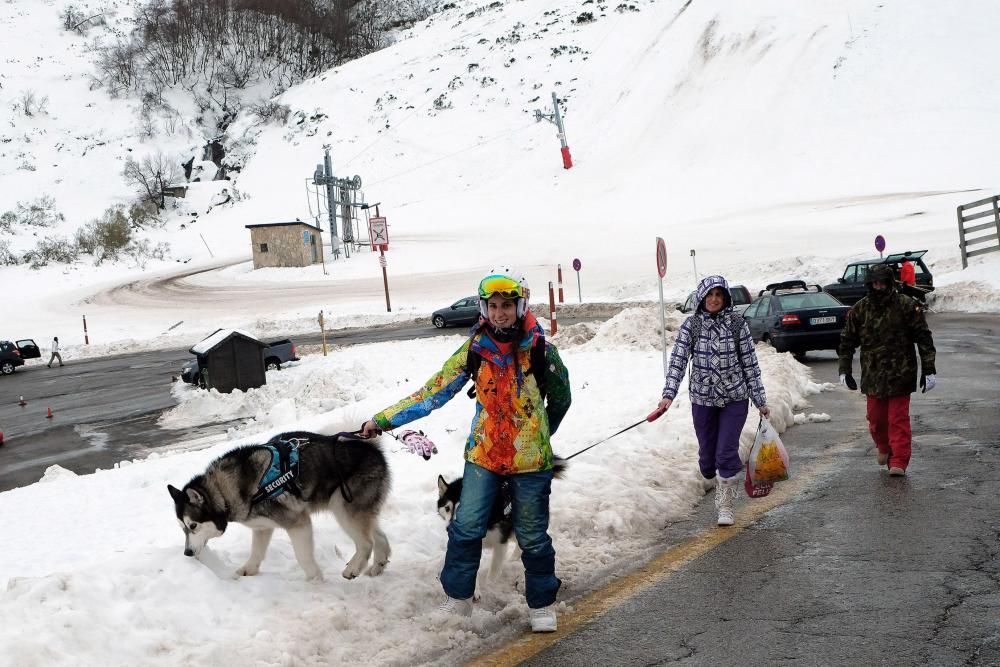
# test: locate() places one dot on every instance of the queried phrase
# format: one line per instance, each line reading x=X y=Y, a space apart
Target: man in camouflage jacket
x=886 y=324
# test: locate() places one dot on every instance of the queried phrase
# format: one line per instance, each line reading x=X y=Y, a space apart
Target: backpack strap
x=536 y=366
x=735 y=327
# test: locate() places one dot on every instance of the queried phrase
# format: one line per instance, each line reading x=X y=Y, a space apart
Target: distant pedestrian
x=907 y=274
x=724 y=374
x=55 y=352
x=886 y=325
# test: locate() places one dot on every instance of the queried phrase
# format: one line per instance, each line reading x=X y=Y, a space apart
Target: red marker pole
x=559 y=275
x=86 y=338
x=552 y=309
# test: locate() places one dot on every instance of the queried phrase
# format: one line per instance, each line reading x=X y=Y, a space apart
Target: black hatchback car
x=13 y=355
x=795 y=317
x=850 y=287
x=464 y=312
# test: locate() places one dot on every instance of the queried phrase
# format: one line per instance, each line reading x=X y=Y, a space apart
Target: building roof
x=220 y=336
x=284 y=224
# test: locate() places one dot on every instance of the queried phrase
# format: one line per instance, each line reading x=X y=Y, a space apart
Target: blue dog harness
x=283 y=472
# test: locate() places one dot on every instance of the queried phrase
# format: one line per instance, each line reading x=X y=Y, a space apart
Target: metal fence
x=976 y=234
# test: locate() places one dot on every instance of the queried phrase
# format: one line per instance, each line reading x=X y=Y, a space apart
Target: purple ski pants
x=718 y=431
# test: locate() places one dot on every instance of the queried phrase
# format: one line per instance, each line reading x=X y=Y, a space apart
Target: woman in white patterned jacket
x=724 y=375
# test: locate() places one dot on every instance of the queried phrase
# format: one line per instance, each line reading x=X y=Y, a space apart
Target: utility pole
x=556 y=118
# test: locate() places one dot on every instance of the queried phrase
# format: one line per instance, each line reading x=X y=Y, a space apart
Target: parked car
x=13 y=354
x=275 y=354
x=850 y=287
x=741 y=299
x=464 y=312
x=795 y=317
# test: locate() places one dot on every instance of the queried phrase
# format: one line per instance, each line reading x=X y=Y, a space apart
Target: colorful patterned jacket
x=886 y=327
x=719 y=375
x=511 y=427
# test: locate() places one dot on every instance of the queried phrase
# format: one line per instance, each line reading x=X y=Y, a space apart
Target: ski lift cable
x=450 y=155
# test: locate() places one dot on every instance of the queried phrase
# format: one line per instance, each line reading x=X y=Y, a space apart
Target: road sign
x=378 y=230
x=880 y=243
x=577 y=265
x=661 y=256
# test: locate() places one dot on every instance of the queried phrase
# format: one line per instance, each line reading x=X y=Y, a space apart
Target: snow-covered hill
x=775 y=139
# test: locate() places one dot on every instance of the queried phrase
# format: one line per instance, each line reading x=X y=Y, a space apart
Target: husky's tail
x=559 y=466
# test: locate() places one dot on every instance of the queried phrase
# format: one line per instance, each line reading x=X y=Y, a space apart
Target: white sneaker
x=457 y=607
x=543 y=619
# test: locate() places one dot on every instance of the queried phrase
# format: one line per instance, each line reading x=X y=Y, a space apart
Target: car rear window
x=740 y=296
x=807 y=300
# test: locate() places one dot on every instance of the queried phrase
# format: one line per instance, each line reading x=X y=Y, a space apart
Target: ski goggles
x=505 y=286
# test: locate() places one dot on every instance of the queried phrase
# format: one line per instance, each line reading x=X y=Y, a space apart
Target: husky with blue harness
x=279 y=484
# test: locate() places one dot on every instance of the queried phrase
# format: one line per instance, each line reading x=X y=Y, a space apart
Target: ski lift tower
x=340 y=194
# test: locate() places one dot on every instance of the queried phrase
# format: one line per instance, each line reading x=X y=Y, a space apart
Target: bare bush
x=38 y=213
x=27 y=101
x=270 y=111
x=56 y=249
x=75 y=20
x=7 y=256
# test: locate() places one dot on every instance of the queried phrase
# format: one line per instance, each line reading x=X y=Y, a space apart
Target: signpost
x=378 y=232
x=661 y=268
x=322 y=331
x=695 y=264
x=880 y=245
x=577 y=265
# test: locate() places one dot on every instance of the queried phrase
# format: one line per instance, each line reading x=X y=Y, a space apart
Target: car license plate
x=822 y=320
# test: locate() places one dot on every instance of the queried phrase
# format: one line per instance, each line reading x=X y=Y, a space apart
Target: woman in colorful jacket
x=724 y=373
x=518 y=407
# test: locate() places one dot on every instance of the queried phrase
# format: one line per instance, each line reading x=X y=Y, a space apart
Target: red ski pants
x=889 y=423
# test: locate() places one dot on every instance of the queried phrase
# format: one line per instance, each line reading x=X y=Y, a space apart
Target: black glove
x=848 y=381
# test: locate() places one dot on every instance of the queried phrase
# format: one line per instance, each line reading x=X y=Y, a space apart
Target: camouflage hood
x=883 y=273
x=707 y=284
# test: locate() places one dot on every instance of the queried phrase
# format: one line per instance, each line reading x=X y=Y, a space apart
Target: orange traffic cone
x=49 y=415
x=22 y=402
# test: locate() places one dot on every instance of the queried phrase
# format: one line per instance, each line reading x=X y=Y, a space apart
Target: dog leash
x=651 y=417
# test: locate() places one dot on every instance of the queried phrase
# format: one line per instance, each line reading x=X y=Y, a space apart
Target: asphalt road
x=105 y=409
x=842 y=564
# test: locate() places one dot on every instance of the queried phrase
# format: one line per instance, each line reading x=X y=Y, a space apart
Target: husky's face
x=448 y=495
x=196 y=518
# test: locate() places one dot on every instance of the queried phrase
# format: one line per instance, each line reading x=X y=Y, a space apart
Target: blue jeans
x=530 y=514
x=718 y=431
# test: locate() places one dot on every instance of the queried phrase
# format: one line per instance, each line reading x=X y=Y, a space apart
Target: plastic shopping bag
x=768 y=461
x=756 y=490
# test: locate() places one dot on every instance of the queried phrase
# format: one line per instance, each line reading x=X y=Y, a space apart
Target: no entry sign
x=661 y=257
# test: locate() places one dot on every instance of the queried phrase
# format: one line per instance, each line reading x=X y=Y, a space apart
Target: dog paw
x=377 y=568
x=351 y=571
x=314 y=576
x=248 y=570
x=476 y=597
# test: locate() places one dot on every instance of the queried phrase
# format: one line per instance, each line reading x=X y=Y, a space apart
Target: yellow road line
x=592 y=605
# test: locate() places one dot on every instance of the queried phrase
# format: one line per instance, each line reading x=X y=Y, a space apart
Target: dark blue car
x=464 y=312
x=795 y=317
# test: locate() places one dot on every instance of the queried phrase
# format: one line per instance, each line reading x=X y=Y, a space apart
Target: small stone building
x=231 y=359
x=285 y=244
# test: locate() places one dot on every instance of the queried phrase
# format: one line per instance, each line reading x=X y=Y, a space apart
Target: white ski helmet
x=515 y=286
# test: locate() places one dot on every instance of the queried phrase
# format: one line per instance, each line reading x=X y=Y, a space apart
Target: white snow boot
x=725 y=499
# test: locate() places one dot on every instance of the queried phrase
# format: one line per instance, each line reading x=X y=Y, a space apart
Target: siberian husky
x=279 y=485
x=499 y=526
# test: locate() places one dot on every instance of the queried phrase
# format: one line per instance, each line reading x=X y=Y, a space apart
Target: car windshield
x=807 y=300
